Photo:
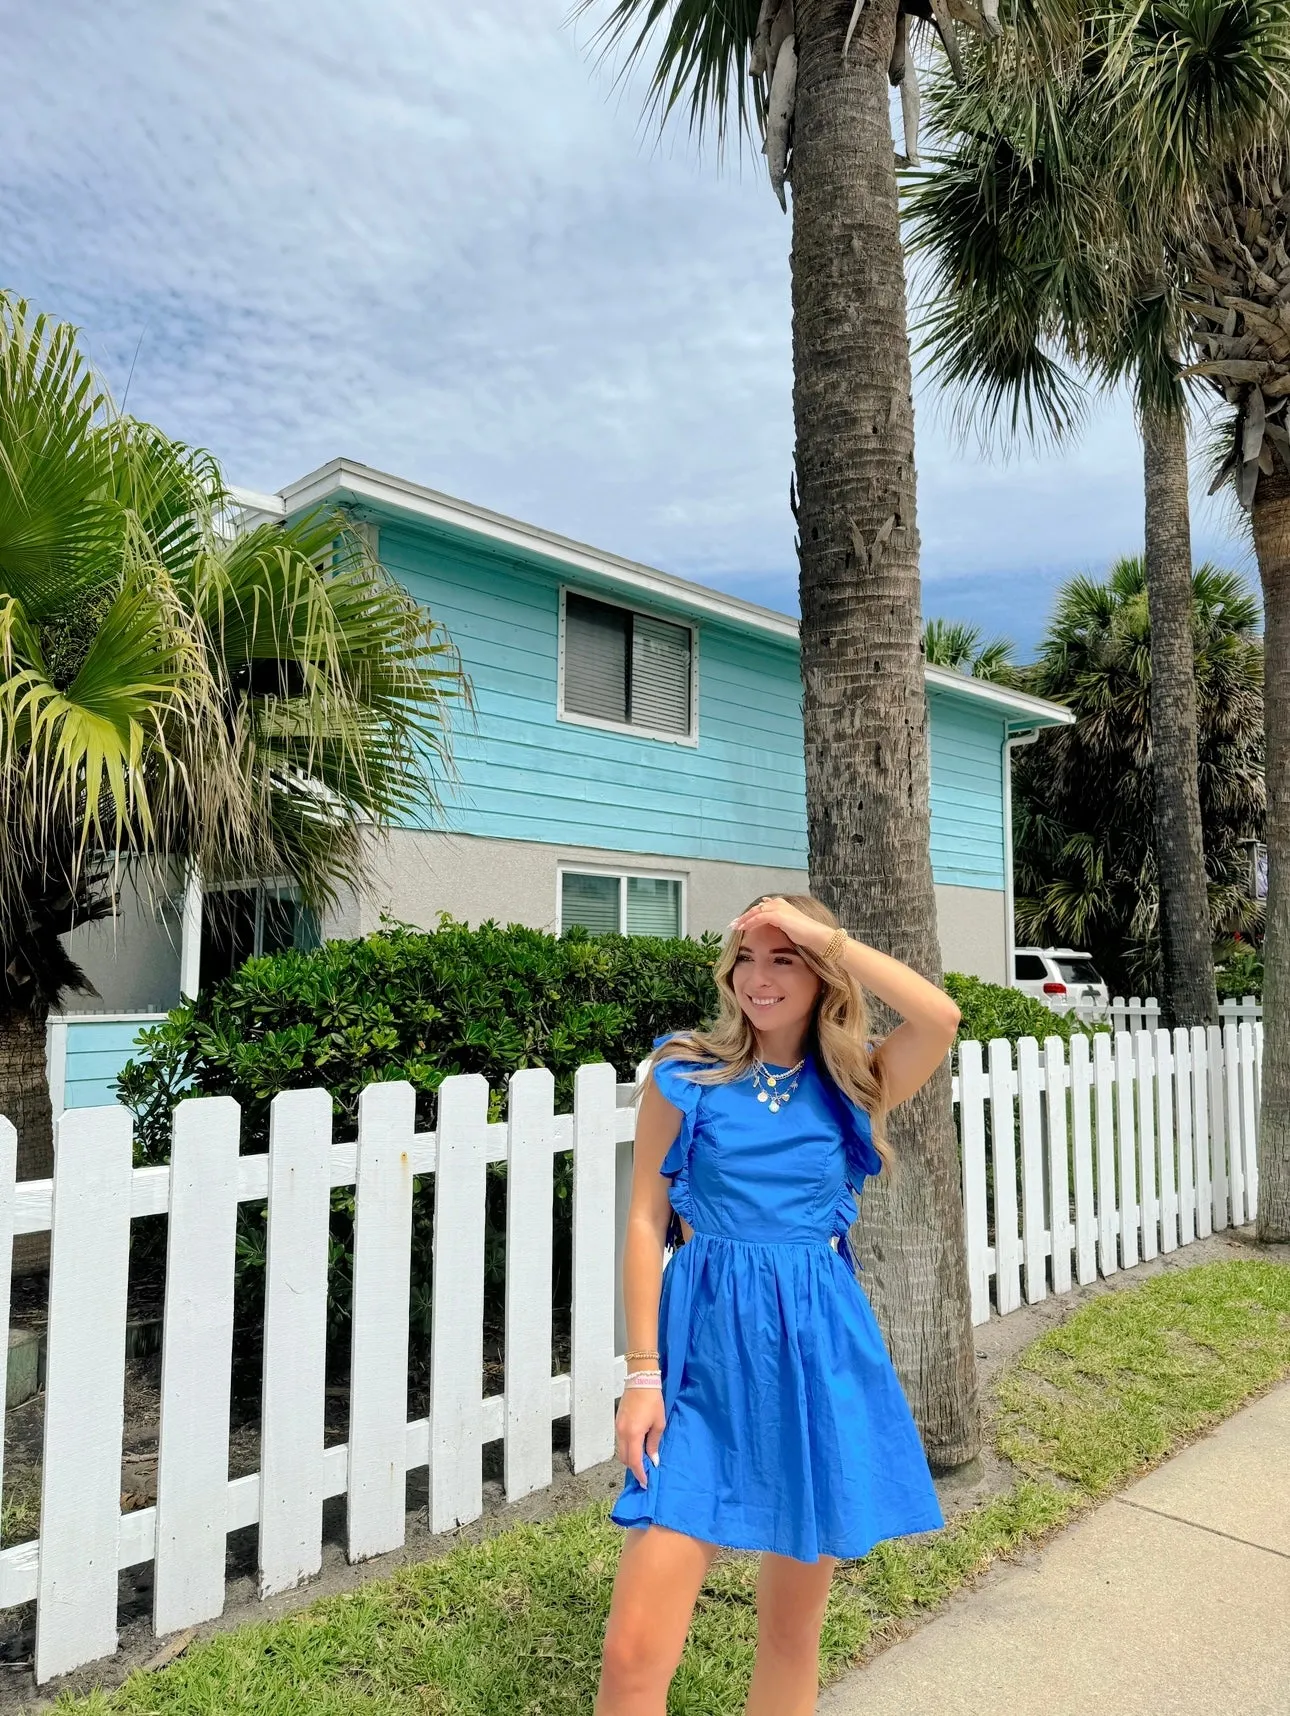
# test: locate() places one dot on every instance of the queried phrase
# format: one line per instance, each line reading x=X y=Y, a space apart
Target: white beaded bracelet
x=644 y=1379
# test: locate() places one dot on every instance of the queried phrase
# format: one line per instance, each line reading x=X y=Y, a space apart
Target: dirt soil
x=996 y=1344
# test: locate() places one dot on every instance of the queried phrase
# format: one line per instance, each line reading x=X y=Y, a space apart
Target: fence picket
x=1007 y=1242
x=1034 y=1231
x=1148 y=1200
x=1186 y=1153
x=80 y=1495
x=1061 y=1237
x=972 y=1095
x=457 y=1315
x=1081 y=1088
x=376 y=1479
x=196 y=1365
x=1126 y=1135
x=8 y=1171
x=1217 y=1128
x=1249 y=1145
x=1108 y=1216
x=1200 y=1132
x=526 y=1451
x=295 y=1340
x=1167 y=1180
x=1235 y=1153
x=591 y=1379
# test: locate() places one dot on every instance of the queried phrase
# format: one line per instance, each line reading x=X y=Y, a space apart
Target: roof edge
x=400 y=495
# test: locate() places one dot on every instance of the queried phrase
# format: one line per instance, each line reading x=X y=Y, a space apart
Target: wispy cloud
x=441 y=242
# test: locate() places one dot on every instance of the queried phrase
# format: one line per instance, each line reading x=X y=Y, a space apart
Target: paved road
x=1172 y=1599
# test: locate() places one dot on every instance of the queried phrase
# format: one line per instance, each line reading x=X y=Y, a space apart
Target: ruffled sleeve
x=862 y=1160
x=682 y=1093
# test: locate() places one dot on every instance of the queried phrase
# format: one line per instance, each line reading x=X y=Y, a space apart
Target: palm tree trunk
x=1188 y=995
x=865 y=705
x=24 y=1100
x=1272 y=545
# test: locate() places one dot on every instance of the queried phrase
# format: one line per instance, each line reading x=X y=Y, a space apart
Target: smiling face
x=774 y=985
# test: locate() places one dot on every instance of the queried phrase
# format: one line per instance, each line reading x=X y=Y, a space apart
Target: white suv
x=1061 y=978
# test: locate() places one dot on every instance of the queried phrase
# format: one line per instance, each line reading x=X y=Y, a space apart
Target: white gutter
x=1009 y=906
x=1018 y=703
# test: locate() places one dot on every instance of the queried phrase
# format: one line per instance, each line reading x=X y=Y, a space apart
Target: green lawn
x=512 y=1626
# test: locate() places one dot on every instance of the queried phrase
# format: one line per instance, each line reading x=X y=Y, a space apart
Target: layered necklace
x=776 y=1088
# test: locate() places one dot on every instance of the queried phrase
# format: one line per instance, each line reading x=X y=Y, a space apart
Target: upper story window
x=621 y=668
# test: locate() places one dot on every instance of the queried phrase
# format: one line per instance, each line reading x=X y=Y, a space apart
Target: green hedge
x=1240 y=972
x=404 y=1004
x=991 y=1010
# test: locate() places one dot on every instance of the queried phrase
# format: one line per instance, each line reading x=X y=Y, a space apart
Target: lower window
x=607 y=904
x=239 y=923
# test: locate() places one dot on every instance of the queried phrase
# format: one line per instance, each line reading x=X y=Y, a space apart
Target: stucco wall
x=971 y=926
x=132 y=959
x=422 y=874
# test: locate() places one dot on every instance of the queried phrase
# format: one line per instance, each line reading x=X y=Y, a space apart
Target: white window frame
x=570 y=866
x=630 y=727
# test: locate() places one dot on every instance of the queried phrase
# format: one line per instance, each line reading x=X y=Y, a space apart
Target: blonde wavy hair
x=838 y=1033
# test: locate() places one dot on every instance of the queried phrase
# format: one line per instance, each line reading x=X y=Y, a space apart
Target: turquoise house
x=635 y=760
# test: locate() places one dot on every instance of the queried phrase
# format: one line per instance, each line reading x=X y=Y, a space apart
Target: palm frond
x=697 y=54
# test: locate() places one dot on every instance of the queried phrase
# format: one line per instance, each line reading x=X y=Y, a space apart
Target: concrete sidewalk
x=1172 y=1599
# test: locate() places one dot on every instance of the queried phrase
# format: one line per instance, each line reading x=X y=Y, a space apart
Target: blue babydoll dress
x=787 y=1429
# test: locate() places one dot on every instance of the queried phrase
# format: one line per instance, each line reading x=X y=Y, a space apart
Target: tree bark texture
x=1271 y=519
x=864 y=703
x=24 y=1100
x=1188 y=995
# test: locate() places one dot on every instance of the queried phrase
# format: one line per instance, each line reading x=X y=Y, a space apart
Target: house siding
x=96 y=1051
x=967 y=793
x=738 y=795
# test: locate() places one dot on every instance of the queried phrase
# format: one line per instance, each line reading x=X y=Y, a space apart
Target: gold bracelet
x=640 y=1355
x=834 y=945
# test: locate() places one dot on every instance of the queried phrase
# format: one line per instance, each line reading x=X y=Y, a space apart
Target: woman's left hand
x=776 y=911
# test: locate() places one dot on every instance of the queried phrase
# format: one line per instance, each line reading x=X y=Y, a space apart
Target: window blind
x=660 y=675
x=595 y=658
x=653 y=906
x=591 y=901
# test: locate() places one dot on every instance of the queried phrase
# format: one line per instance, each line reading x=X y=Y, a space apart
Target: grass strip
x=512 y=1626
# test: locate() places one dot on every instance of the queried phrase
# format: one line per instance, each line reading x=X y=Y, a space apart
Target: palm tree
x=811 y=76
x=1087 y=874
x=1238 y=286
x=171 y=697
x=958 y=646
x=1052 y=242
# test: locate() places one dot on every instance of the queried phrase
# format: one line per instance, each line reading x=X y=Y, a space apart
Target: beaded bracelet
x=644 y=1379
x=833 y=946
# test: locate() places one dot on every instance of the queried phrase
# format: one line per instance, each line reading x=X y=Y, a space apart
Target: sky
x=443 y=241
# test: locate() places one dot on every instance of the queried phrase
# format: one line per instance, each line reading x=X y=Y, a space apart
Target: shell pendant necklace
x=775 y=1088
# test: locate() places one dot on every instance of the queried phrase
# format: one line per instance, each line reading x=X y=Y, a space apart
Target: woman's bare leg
x=659 y=1575
x=791 y=1599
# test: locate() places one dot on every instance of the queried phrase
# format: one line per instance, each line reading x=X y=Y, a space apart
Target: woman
x=761 y=1409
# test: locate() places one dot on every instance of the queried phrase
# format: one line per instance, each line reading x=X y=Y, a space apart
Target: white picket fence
x=85 y=1539
x=1086 y=1160
x=1097 y=1159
